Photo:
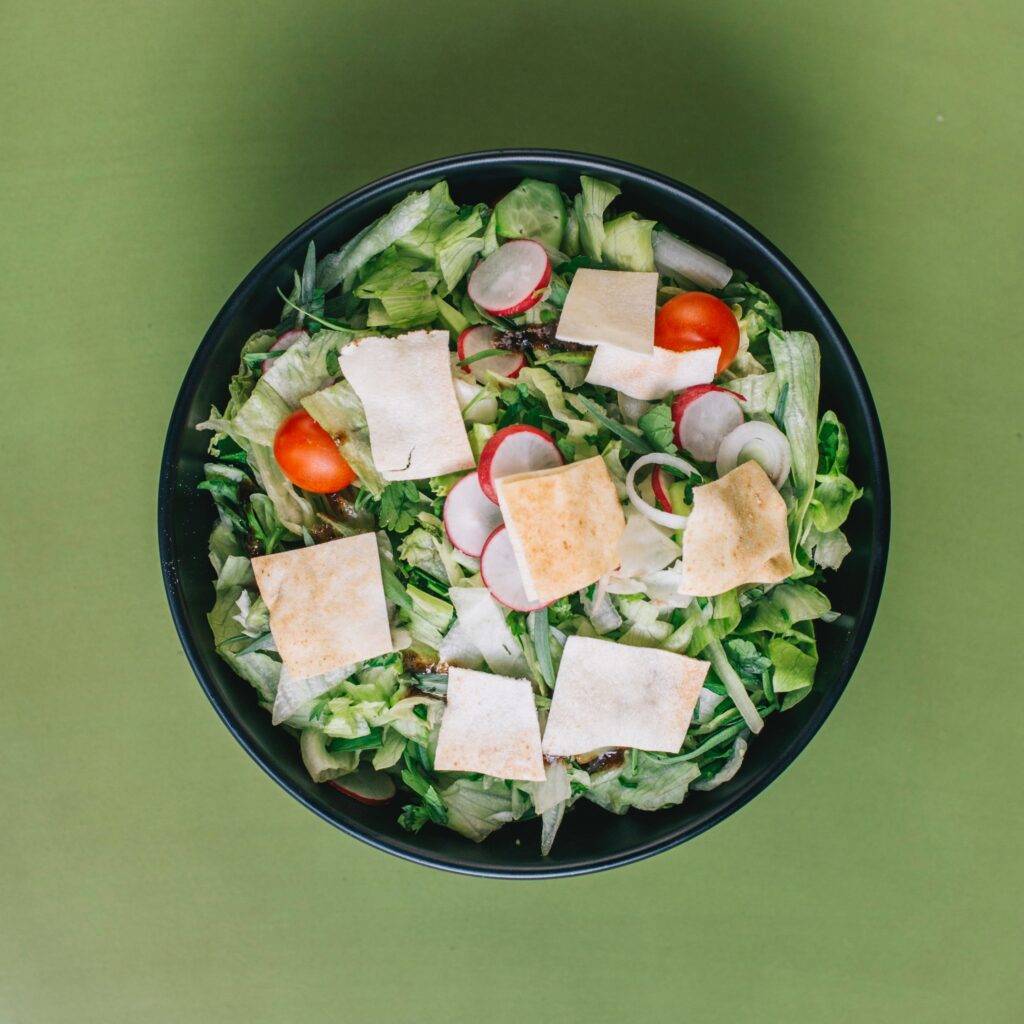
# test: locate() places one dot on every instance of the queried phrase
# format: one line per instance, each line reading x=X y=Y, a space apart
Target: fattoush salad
x=524 y=505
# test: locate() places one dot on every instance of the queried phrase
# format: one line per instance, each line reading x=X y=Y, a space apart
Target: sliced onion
x=760 y=441
x=656 y=515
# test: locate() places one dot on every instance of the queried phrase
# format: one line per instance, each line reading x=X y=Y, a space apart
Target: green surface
x=151 y=154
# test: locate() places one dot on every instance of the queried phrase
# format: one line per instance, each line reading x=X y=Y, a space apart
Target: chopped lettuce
x=594 y=198
x=798 y=368
x=533 y=209
x=648 y=784
x=627 y=243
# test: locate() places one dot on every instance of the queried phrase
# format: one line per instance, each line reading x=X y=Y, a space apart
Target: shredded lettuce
x=594 y=198
x=533 y=209
x=627 y=243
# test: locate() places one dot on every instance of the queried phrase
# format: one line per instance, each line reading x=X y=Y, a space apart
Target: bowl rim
x=875 y=458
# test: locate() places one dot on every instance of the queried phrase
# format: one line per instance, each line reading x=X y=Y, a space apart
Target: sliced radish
x=366 y=786
x=469 y=516
x=703 y=416
x=516 y=449
x=659 y=484
x=284 y=342
x=500 y=573
x=510 y=280
x=762 y=442
x=669 y=519
x=479 y=339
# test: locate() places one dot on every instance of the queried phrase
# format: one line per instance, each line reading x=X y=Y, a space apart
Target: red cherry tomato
x=309 y=457
x=698 y=320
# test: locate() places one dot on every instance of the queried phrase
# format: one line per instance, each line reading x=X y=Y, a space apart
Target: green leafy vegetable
x=533 y=209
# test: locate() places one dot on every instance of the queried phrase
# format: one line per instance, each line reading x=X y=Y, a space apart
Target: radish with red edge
x=284 y=342
x=516 y=449
x=470 y=517
x=501 y=576
x=366 y=786
x=703 y=416
x=511 y=279
x=659 y=484
x=479 y=339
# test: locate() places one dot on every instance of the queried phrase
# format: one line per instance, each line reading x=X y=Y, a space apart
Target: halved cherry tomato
x=698 y=320
x=309 y=457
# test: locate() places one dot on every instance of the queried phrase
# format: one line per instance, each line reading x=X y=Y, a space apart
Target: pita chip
x=653 y=376
x=736 y=534
x=610 y=307
x=490 y=726
x=408 y=395
x=609 y=694
x=326 y=603
x=564 y=524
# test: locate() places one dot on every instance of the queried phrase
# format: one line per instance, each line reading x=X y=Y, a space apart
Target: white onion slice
x=757 y=440
x=656 y=515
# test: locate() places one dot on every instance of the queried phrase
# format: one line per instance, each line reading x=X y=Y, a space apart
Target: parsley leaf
x=659 y=427
x=399 y=504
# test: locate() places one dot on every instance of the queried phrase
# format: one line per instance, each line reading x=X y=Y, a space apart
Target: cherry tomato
x=309 y=457
x=698 y=320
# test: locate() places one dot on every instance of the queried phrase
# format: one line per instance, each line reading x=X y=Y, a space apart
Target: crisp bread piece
x=612 y=695
x=326 y=602
x=610 y=307
x=564 y=524
x=490 y=725
x=736 y=534
x=408 y=395
x=653 y=376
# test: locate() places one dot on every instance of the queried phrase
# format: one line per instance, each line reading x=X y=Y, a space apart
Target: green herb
x=659 y=427
x=540 y=634
x=399 y=506
x=310 y=315
x=630 y=438
x=483 y=354
x=373 y=738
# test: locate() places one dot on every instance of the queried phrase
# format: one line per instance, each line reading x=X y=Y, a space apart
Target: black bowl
x=590 y=839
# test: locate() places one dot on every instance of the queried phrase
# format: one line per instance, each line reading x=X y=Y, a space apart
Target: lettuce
x=340 y=267
x=826 y=550
x=760 y=392
x=647 y=783
x=798 y=369
x=834 y=492
x=461 y=242
x=421 y=241
x=533 y=209
x=478 y=807
x=627 y=243
x=594 y=198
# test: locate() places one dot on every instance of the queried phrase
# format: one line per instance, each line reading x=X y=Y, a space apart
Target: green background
x=151 y=154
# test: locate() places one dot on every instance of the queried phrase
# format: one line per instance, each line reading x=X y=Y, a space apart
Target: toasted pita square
x=564 y=524
x=412 y=413
x=736 y=534
x=613 y=695
x=326 y=603
x=610 y=307
x=654 y=376
x=490 y=725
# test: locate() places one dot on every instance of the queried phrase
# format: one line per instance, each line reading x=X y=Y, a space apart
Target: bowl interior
x=590 y=839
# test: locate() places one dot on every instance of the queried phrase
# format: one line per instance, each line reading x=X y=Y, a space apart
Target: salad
x=524 y=505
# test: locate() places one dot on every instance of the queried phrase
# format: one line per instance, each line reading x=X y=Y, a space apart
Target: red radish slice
x=510 y=280
x=659 y=484
x=469 y=516
x=479 y=339
x=366 y=786
x=516 y=449
x=501 y=576
x=284 y=342
x=762 y=442
x=703 y=416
